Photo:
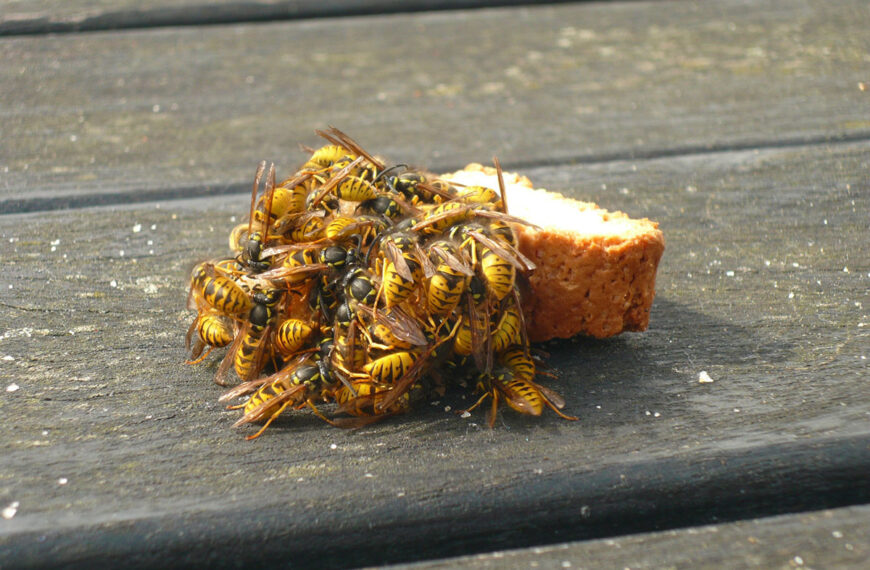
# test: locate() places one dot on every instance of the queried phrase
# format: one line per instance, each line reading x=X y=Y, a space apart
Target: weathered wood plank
x=115 y=449
x=62 y=16
x=838 y=538
x=100 y=118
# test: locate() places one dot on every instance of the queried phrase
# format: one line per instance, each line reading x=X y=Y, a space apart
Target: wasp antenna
x=260 y=169
x=501 y=188
x=270 y=191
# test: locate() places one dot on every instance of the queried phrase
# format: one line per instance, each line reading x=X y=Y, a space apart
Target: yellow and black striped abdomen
x=389 y=368
x=479 y=195
x=446 y=215
x=292 y=336
x=517 y=361
x=383 y=334
x=498 y=273
x=503 y=232
x=264 y=394
x=251 y=349
x=397 y=288
x=214 y=329
x=341 y=227
x=310 y=230
x=355 y=189
x=507 y=330
x=348 y=355
x=325 y=156
x=462 y=341
x=288 y=201
x=445 y=289
x=220 y=292
x=522 y=390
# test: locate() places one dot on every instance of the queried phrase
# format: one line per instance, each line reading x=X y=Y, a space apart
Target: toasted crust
x=596 y=269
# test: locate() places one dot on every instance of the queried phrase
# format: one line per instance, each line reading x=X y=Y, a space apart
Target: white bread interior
x=595 y=270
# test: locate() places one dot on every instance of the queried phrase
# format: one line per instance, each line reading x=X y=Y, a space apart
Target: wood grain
x=835 y=538
x=103 y=401
x=739 y=127
x=19 y=17
x=102 y=118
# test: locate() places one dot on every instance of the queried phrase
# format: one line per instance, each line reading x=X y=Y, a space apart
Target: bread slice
x=596 y=270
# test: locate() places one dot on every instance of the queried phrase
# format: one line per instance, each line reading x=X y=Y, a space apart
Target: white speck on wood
x=10 y=511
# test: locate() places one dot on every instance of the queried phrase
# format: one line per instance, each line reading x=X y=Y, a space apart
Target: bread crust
x=598 y=282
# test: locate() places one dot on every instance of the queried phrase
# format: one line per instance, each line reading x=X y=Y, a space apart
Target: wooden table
x=130 y=132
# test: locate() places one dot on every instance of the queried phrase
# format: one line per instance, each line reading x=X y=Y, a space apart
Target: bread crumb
x=704 y=378
x=10 y=511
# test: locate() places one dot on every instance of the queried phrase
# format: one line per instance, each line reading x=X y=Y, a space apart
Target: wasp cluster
x=368 y=287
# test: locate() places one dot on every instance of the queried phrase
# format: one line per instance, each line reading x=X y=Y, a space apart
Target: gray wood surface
x=749 y=147
x=154 y=114
x=830 y=539
x=20 y=17
x=103 y=401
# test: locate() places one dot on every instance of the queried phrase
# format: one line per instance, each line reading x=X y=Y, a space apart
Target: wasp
x=412 y=364
x=211 y=285
x=337 y=137
x=499 y=257
x=299 y=266
x=350 y=351
x=449 y=280
x=304 y=262
x=358 y=286
x=479 y=195
x=253 y=343
x=513 y=381
x=396 y=287
x=296 y=385
x=324 y=157
x=496 y=257
x=390 y=368
x=391 y=328
x=259 y=220
x=337 y=177
x=343 y=228
x=385 y=206
x=419 y=188
x=356 y=189
x=473 y=336
x=292 y=335
x=323 y=299
x=238 y=238
x=311 y=229
x=510 y=328
x=365 y=397
x=351 y=181
x=217 y=298
x=213 y=330
x=402 y=263
x=276 y=207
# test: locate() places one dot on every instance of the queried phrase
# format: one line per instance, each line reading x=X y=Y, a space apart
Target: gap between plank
x=240 y=12
x=87 y=200
x=654 y=495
